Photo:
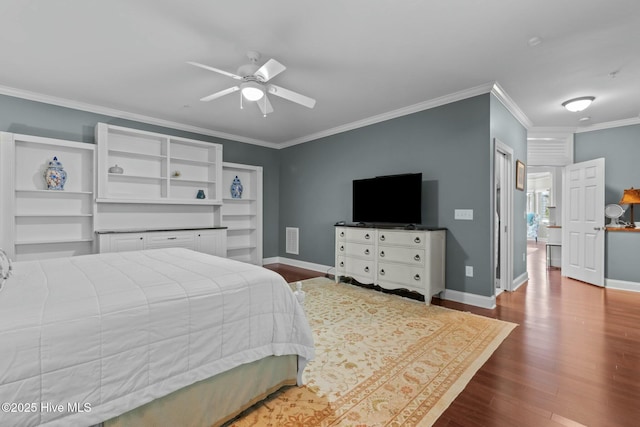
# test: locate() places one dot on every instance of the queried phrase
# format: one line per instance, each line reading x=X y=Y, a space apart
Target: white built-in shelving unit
x=40 y=223
x=160 y=180
x=157 y=168
x=243 y=216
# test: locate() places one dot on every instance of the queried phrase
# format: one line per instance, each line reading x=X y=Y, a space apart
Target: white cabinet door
x=212 y=242
x=123 y=242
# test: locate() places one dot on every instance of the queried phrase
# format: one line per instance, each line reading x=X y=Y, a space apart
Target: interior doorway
x=503 y=217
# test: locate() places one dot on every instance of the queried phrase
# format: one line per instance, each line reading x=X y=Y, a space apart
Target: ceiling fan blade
x=206 y=67
x=292 y=96
x=219 y=94
x=269 y=70
x=265 y=105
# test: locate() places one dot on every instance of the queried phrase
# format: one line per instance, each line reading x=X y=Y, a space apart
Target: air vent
x=292 y=240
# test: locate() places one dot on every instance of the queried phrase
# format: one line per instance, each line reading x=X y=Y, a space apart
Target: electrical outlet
x=468 y=269
x=463 y=214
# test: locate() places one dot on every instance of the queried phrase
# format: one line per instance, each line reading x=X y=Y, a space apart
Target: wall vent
x=292 y=240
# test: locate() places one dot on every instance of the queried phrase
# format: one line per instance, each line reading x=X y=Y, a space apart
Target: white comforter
x=86 y=338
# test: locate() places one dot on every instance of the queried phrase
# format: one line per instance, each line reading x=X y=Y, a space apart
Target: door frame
x=507 y=184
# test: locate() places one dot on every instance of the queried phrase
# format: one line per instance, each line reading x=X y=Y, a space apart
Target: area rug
x=381 y=360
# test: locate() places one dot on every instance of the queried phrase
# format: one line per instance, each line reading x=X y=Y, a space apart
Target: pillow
x=5 y=267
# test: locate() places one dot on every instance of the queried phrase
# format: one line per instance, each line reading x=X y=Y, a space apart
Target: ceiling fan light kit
x=576 y=105
x=254 y=87
x=251 y=90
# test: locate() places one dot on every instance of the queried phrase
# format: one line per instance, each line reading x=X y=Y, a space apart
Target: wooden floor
x=573 y=360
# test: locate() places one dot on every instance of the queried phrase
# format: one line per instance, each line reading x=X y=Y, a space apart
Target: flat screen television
x=393 y=199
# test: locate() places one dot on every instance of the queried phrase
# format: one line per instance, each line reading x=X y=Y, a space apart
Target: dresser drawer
x=360 y=235
x=404 y=255
x=170 y=240
x=412 y=277
x=341 y=234
x=402 y=238
x=360 y=250
x=361 y=270
x=340 y=265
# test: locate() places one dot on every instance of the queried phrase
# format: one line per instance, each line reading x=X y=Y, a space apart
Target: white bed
x=85 y=339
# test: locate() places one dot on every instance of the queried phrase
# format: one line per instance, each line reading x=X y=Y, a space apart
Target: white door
x=583 y=227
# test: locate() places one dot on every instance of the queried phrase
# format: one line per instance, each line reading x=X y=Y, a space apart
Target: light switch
x=468 y=270
x=463 y=214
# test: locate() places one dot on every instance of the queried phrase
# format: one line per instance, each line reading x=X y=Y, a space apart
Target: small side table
x=549 y=246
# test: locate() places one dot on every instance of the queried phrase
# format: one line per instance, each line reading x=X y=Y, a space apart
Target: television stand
x=393 y=257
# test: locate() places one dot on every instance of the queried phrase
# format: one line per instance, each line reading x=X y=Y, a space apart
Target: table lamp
x=630 y=197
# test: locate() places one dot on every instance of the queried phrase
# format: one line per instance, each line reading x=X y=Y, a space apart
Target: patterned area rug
x=381 y=360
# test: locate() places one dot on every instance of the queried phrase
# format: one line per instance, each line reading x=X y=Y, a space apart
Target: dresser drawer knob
x=342 y=234
x=366 y=251
x=366 y=236
x=382 y=271
x=381 y=254
x=341 y=263
x=417 y=240
x=416 y=277
x=382 y=237
x=417 y=257
x=341 y=248
x=366 y=269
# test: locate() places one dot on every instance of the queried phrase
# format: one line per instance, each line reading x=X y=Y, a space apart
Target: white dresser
x=393 y=258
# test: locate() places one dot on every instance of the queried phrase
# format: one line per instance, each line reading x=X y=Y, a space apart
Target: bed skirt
x=216 y=400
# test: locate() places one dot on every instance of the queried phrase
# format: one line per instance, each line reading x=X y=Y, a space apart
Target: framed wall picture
x=520 y=175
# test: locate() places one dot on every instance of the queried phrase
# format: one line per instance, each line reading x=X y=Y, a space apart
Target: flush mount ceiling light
x=252 y=91
x=578 y=104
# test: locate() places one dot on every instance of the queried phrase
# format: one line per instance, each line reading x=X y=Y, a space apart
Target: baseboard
x=520 y=280
x=622 y=285
x=297 y=263
x=467 y=298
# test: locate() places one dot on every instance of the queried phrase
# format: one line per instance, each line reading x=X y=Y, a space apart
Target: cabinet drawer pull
x=142 y=238
x=417 y=257
x=366 y=269
x=417 y=240
x=341 y=248
x=381 y=254
x=382 y=271
x=342 y=234
x=416 y=277
x=366 y=251
x=171 y=238
x=382 y=237
x=366 y=236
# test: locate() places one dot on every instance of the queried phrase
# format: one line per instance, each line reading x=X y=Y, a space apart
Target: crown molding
x=426 y=105
x=67 y=103
x=510 y=105
x=609 y=125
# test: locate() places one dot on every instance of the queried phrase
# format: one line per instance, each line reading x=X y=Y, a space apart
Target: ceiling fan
x=254 y=84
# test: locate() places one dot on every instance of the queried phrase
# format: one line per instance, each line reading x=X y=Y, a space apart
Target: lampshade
x=252 y=91
x=630 y=196
x=578 y=104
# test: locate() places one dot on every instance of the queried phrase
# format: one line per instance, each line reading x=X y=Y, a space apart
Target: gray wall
x=450 y=145
x=621 y=149
x=34 y=118
x=309 y=185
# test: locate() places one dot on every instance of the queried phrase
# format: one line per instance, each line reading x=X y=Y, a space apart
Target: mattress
x=90 y=337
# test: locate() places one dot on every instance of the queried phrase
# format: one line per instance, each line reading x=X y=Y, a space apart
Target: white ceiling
x=359 y=59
